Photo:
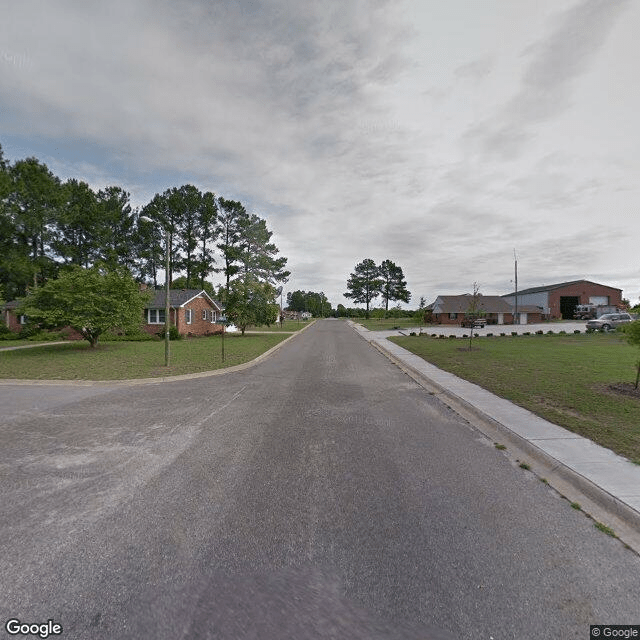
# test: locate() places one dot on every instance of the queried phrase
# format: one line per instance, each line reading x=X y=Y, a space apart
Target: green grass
x=563 y=378
x=287 y=325
x=380 y=324
x=124 y=360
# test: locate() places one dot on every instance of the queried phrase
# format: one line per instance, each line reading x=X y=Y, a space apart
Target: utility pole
x=516 y=317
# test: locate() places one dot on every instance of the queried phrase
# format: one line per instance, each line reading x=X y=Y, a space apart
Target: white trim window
x=188 y=315
x=214 y=316
x=204 y=314
x=155 y=316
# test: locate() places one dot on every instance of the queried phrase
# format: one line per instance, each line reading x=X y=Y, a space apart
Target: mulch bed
x=626 y=389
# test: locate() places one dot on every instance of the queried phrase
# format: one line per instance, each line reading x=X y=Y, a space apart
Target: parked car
x=608 y=321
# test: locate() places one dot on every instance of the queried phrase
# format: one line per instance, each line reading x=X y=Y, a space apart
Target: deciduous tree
x=92 y=301
x=251 y=303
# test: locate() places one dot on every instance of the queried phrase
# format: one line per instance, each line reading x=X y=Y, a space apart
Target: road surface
x=319 y=494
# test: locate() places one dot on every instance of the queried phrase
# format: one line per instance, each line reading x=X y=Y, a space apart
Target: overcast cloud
x=440 y=135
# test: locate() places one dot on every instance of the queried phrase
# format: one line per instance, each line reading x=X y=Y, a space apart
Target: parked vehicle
x=589 y=311
x=608 y=321
x=473 y=322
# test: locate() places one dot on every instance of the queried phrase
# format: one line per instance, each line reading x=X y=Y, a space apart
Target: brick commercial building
x=560 y=300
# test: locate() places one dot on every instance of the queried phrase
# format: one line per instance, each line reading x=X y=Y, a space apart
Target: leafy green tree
x=186 y=205
x=312 y=301
x=74 y=236
x=231 y=217
x=116 y=234
x=258 y=253
x=181 y=283
x=92 y=301
x=632 y=333
x=394 y=286
x=33 y=202
x=364 y=284
x=251 y=303
x=163 y=209
x=207 y=219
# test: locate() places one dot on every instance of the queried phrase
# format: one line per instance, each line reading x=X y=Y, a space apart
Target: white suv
x=608 y=321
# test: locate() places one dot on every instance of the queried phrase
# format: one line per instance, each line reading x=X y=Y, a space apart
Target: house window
x=453 y=316
x=187 y=315
x=155 y=316
x=214 y=316
x=23 y=319
x=204 y=314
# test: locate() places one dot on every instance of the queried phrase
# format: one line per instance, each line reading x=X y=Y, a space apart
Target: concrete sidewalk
x=609 y=480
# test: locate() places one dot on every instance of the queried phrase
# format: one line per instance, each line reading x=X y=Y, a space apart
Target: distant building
x=560 y=300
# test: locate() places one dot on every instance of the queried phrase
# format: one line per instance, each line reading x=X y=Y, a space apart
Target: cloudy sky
x=438 y=134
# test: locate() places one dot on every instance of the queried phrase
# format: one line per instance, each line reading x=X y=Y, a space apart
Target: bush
x=563 y=333
x=550 y=332
x=576 y=331
x=514 y=333
x=413 y=333
x=489 y=335
x=503 y=334
x=453 y=335
x=539 y=332
x=7 y=334
x=174 y=334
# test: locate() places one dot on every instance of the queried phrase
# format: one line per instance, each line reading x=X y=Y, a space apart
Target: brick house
x=10 y=318
x=560 y=300
x=192 y=311
x=453 y=309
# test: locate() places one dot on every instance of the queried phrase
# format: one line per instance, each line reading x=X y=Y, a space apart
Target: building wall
x=11 y=320
x=582 y=290
x=198 y=326
x=540 y=299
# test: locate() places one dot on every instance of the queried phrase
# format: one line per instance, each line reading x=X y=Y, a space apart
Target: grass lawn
x=380 y=324
x=565 y=379
x=123 y=360
x=287 y=325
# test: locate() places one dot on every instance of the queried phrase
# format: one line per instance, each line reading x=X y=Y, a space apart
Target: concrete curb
x=593 y=499
x=145 y=381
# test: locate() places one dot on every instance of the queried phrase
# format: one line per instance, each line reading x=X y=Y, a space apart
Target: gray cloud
x=554 y=64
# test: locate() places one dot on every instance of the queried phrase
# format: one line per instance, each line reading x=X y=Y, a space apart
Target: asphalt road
x=319 y=494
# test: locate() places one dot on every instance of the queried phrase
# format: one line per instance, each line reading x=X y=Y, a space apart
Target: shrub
x=7 y=334
x=489 y=335
x=514 y=333
x=174 y=334
x=503 y=334
x=563 y=333
x=453 y=335
x=576 y=331
x=527 y=333
x=539 y=332
x=413 y=333
x=550 y=332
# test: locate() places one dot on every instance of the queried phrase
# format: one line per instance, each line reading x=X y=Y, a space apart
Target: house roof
x=461 y=304
x=179 y=298
x=559 y=285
